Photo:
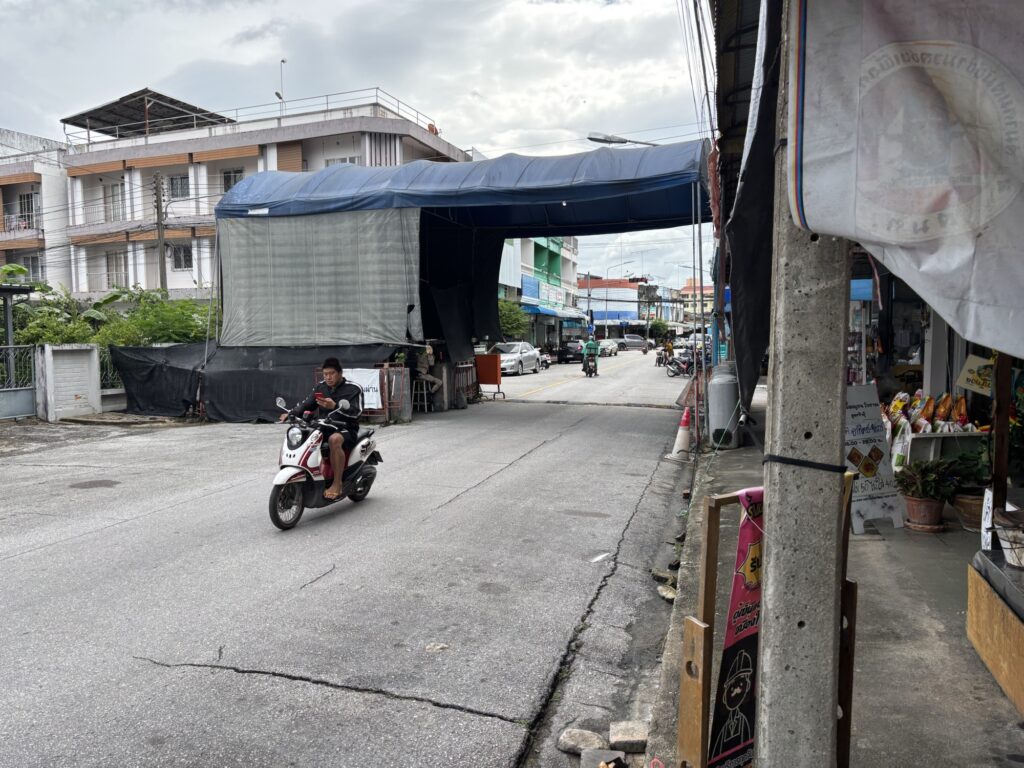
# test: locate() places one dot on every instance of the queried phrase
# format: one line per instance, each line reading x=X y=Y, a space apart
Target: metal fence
x=465 y=379
x=17 y=382
x=109 y=377
x=17 y=368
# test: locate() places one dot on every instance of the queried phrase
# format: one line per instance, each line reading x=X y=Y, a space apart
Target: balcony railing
x=15 y=222
x=104 y=281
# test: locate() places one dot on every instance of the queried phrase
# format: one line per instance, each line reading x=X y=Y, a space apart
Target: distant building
x=99 y=190
x=693 y=300
x=540 y=274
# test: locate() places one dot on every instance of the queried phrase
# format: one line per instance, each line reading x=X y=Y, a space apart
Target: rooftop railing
x=369 y=102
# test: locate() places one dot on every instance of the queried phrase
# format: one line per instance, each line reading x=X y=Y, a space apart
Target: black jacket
x=346 y=390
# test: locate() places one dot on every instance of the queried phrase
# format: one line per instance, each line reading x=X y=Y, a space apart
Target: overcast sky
x=529 y=76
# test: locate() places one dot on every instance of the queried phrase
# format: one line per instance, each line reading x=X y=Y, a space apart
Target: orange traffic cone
x=682 y=444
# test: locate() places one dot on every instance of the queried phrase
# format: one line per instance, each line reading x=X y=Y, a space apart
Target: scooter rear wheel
x=286 y=505
x=363 y=486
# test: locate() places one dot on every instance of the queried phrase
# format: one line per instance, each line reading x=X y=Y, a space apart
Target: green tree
x=513 y=320
x=659 y=329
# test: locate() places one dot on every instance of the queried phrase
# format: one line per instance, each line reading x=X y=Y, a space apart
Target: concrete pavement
x=153 y=616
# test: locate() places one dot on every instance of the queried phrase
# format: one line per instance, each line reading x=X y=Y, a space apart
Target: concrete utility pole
x=161 y=257
x=799 y=646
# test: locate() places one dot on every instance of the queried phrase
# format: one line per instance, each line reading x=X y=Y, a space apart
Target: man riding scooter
x=326 y=396
x=591 y=349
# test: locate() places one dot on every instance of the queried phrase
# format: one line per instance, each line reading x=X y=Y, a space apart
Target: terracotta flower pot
x=968 y=509
x=924 y=514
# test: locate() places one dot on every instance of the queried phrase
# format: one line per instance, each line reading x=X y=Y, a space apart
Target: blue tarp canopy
x=533 y=310
x=602 y=191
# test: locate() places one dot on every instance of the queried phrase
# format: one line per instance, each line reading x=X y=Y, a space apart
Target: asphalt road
x=154 y=617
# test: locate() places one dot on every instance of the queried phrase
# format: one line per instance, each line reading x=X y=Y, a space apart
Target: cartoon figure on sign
x=736 y=730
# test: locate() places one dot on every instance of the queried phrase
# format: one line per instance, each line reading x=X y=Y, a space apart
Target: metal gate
x=17 y=382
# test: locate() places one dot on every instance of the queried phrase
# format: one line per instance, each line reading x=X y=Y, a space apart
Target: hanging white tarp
x=333 y=278
x=907 y=135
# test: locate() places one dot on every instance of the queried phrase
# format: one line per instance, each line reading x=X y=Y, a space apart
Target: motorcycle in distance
x=305 y=467
x=679 y=366
x=590 y=366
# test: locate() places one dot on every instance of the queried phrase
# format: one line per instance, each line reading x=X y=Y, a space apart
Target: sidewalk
x=921 y=694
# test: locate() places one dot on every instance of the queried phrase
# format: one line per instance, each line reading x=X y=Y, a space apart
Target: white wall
x=317 y=151
x=510 y=273
x=54 y=201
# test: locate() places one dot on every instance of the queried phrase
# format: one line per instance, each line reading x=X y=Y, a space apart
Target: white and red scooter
x=306 y=467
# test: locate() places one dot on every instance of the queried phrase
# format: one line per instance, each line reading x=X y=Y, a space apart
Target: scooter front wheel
x=286 y=505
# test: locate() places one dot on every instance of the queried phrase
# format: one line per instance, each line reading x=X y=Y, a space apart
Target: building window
x=178 y=187
x=113 y=201
x=351 y=160
x=28 y=204
x=117 y=270
x=181 y=257
x=232 y=177
x=35 y=266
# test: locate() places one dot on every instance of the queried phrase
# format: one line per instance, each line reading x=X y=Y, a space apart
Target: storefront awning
x=530 y=309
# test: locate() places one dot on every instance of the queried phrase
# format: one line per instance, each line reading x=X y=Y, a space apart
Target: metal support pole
x=799 y=649
x=9 y=329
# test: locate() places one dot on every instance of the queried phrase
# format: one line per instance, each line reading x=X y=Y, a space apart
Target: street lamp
x=607 y=138
x=280 y=93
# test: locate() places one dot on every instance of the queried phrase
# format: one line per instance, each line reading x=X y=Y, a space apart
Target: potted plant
x=971 y=469
x=926 y=486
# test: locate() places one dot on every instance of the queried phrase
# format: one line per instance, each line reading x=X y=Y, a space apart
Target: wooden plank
x=158 y=161
x=694 y=694
x=1001 y=433
x=150 y=235
x=229 y=153
x=86 y=170
x=289 y=156
x=20 y=178
x=25 y=242
x=847 y=647
x=997 y=634
x=204 y=231
x=709 y=562
x=111 y=237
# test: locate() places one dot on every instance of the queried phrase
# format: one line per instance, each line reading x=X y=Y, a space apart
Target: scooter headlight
x=294 y=437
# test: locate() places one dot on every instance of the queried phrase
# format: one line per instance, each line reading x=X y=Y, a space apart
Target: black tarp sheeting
x=238 y=383
x=459 y=276
x=159 y=381
x=750 y=225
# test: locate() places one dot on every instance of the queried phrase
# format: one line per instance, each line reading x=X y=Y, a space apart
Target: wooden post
x=1001 y=434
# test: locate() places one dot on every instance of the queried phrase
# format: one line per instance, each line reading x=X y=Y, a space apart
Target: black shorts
x=348 y=435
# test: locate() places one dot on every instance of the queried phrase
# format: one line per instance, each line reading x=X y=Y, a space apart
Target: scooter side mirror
x=344 y=405
x=281 y=404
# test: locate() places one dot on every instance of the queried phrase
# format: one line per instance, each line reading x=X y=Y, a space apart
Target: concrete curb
x=661 y=742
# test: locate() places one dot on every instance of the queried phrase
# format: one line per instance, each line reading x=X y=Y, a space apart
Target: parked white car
x=517 y=357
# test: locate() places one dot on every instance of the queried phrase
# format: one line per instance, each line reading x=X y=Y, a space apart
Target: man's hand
x=326 y=402
x=283 y=417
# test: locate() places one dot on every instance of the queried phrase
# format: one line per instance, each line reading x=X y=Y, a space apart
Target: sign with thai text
x=976 y=375
x=867 y=453
x=369 y=380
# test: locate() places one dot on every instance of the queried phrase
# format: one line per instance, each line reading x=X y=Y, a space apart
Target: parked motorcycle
x=679 y=366
x=545 y=361
x=590 y=366
x=306 y=467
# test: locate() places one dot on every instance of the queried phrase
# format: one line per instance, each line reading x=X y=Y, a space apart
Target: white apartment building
x=33 y=199
x=117 y=154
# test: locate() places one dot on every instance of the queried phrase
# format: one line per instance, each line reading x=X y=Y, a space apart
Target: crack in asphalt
x=314 y=581
x=335 y=686
x=511 y=463
x=572 y=647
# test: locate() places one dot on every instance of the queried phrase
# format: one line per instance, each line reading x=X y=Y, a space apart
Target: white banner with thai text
x=369 y=380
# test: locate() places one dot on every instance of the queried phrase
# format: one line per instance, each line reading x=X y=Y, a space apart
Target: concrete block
x=628 y=735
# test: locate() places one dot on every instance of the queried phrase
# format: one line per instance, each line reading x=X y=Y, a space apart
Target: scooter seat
x=365 y=433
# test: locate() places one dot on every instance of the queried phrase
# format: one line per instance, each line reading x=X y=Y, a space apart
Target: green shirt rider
x=591 y=349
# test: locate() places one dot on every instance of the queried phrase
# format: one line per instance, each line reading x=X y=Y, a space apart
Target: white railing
x=372 y=102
